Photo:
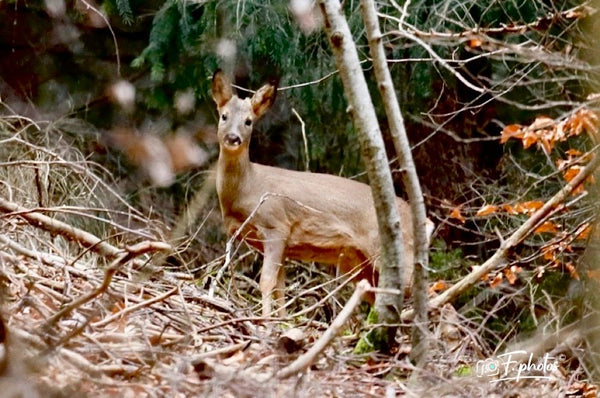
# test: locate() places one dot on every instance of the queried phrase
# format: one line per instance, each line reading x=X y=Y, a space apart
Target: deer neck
x=233 y=170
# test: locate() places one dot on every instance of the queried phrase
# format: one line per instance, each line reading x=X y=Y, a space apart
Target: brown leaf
x=511 y=131
x=546 y=227
x=573 y=153
x=583 y=232
x=529 y=138
x=583 y=120
x=572 y=270
x=497 y=280
x=542 y=122
x=456 y=214
x=590 y=390
x=571 y=173
x=549 y=253
x=475 y=42
x=509 y=209
x=547 y=144
x=486 y=210
x=528 y=207
x=510 y=276
x=438 y=286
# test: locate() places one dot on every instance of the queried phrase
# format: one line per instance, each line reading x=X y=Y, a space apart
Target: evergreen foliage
x=124 y=10
x=182 y=53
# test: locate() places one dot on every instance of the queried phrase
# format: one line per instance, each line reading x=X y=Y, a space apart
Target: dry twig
x=305 y=360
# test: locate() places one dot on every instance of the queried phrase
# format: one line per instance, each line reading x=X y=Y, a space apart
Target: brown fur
x=307 y=216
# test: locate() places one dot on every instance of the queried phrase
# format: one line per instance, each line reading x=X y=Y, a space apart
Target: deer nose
x=233 y=139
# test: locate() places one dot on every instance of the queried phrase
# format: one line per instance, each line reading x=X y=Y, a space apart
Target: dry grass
x=109 y=319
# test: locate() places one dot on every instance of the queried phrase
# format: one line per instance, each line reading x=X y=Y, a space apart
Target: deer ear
x=263 y=99
x=221 y=88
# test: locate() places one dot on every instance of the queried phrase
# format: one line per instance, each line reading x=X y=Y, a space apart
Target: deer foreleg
x=272 y=278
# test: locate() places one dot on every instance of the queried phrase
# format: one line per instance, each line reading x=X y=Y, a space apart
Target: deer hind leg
x=272 y=278
x=352 y=262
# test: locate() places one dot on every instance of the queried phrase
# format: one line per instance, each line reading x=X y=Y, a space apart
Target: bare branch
x=306 y=359
x=70 y=232
x=499 y=257
x=125 y=256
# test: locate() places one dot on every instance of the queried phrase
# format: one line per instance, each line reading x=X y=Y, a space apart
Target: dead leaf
x=475 y=42
x=529 y=138
x=528 y=207
x=546 y=227
x=571 y=173
x=509 y=209
x=549 y=253
x=582 y=120
x=486 y=210
x=497 y=280
x=510 y=276
x=456 y=214
x=547 y=144
x=542 y=122
x=572 y=270
x=590 y=390
x=438 y=286
x=511 y=131
x=583 y=232
x=573 y=153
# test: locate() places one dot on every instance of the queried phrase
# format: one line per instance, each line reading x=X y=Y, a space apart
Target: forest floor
x=89 y=309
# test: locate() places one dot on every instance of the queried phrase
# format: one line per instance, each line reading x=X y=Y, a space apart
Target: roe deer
x=303 y=216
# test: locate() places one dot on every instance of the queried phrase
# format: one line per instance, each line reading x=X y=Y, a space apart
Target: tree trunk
x=387 y=307
x=410 y=179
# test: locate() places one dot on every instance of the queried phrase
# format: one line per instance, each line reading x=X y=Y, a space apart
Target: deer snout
x=232 y=139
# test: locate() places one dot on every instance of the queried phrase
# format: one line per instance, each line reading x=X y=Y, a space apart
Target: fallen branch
x=499 y=257
x=52 y=225
x=84 y=238
x=305 y=360
x=74 y=358
x=230 y=349
x=132 y=252
x=135 y=307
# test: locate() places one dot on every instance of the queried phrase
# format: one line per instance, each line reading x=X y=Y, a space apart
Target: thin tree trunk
x=387 y=307
x=410 y=179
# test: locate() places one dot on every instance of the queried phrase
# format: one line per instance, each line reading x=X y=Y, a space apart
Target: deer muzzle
x=233 y=140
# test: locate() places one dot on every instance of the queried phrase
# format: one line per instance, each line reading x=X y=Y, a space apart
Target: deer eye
x=224 y=117
x=248 y=122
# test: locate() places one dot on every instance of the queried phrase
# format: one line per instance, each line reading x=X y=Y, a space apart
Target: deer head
x=237 y=116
